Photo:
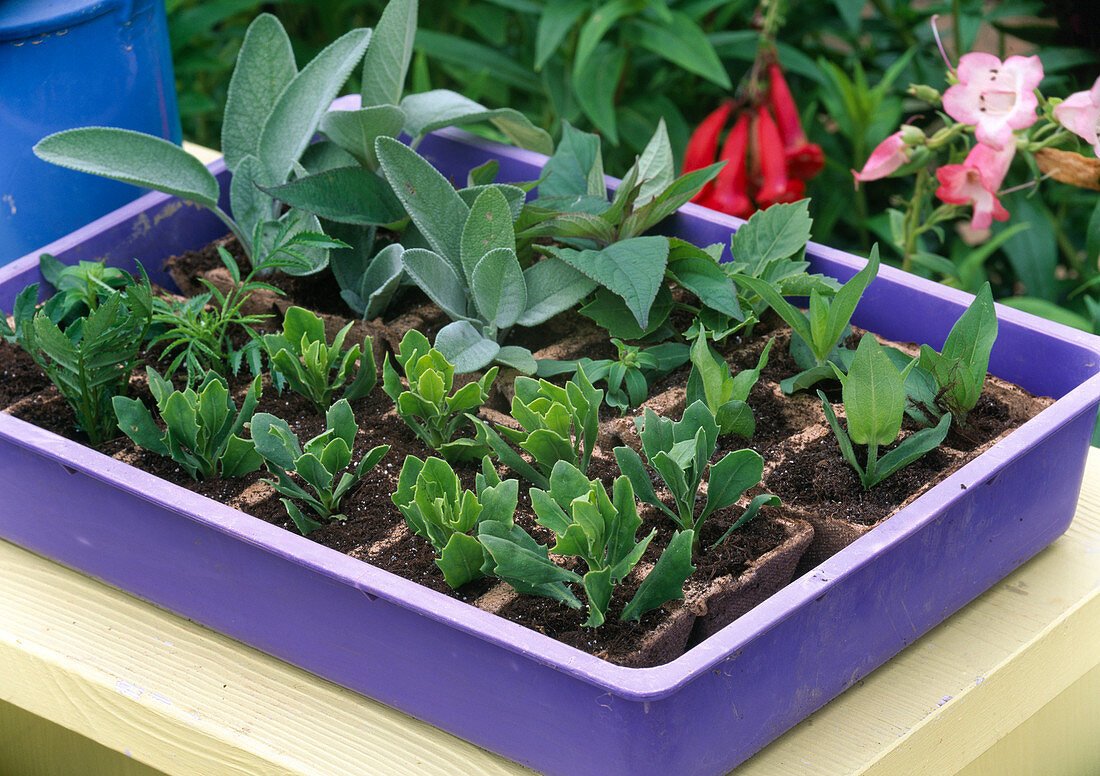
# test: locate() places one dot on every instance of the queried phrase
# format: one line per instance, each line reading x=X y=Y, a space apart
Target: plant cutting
x=201 y=430
x=428 y=406
x=436 y=507
x=300 y=356
x=874 y=405
x=725 y=394
x=317 y=462
x=680 y=452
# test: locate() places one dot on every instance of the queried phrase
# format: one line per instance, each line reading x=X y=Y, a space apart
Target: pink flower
x=975 y=182
x=1080 y=114
x=996 y=98
x=890 y=154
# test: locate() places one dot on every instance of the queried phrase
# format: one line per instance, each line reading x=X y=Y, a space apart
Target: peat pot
x=505 y=687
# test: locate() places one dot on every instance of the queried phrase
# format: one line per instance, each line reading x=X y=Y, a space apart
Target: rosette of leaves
x=428 y=405
x=81 y=286
x=558 y=423
x=602 y=237
x=201 y=426
x=602 y=533
x=629 y=376
x=89 y=360
x=471 y=269
x=272 y=112
x=816 y=337
x=680 y=453
x=959 y=369
x=301 y=356
x=724 y=393
x=317 y=463
x=874 y=404
x=436 y=507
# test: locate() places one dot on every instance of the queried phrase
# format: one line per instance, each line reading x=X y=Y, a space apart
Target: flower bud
x=912 y=136
x=924 y=92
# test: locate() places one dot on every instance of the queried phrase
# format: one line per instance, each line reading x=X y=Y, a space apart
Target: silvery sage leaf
x=552 y=287
x=498 y=288
x=428 y=111
x=487 y=228
x=131 y=157
x=435 y=207
x=386 y=62
x=356 y=130
x=250 y=204
x=297 y=113
x=265 y=65
x=633 y=269
x=465 y=347
x=349 y=195
x=438 y=279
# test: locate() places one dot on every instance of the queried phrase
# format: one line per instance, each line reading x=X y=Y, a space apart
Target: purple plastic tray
x=507 y=688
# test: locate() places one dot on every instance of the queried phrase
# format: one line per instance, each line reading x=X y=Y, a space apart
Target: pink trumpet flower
x=1080 y=114
x=887 y=157
x=976 y=181
x=995 y=97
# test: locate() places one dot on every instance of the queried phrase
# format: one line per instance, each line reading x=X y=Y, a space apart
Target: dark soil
x=803 y=465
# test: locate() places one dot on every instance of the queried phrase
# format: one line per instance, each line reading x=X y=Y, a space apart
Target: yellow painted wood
x=202 y=153
x=183 y=700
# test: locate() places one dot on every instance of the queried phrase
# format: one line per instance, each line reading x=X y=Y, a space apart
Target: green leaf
x=595 y=85
x=874 y=395
x=779 y=232
x=136 y=422
x=438 y=279
x=265 y=65
x=297 y=113
x=842 y=438
x=665 y=581
x=701 y=275
x=487 y=228
x=461 y=560
x=250 y=204
x=478 y=58
x=961 y=367
x=598 y=587
x=844 y=304
x=630 y=464
x=306 y=525
x=432 y=202
x=632 y=269
x=428 y=111
x=239 y=457
x=518 y=358
x=595 y=28
x=909 y=449
x=735 y=473
x=349 y=195
x=274 y=440
x=386 y=62
x=552 y=287
x=465 y=347
x=131 y=157
x=498 y=287
x=356 y=130
x=683 y=43
x=554 y=24
x=611 y=312
x=575 y=169
x=655 y=167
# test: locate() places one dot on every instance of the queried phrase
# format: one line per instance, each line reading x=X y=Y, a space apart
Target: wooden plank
x=183 y=700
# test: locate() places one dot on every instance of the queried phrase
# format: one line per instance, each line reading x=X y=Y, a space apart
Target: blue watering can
x=73 y=63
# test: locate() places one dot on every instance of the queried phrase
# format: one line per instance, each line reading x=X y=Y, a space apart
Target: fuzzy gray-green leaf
x=349 y=195
x=131 y=157
x=487 y=228
x=465 y=347
x=356 y=130
x=386 y=62
x=265 y=65
x=428 y=111
x=498 y=287
x=438 y=279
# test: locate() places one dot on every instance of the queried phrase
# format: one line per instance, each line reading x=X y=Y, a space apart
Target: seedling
x=90 y=361
x=824 y=327
x=436 y=507
x=602 y=533
x=711 y=381
x=628 y=378
x=680 y=452
x=82 y=286
x=960 y=369
x=874 y=403
x=315 y=369
x=558 y=424
x=201 y=426
x=317 y=463
x=428 y=406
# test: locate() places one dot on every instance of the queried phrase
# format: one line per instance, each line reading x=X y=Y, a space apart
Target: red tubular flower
x=703 y=145
x=770 y=163
x=730 y=191
x=804 y=159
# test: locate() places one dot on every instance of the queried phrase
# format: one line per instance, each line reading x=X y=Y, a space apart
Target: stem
x=872 y=460
x=956 y=27
x=236 y=230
